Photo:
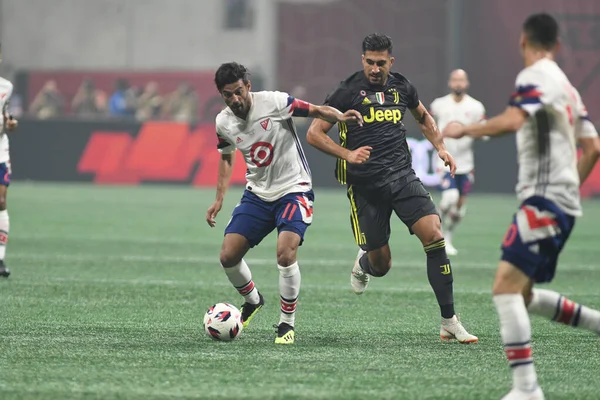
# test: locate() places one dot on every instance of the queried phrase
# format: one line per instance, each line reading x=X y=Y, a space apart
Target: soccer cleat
x=249 y=310
x=450 y=250
x=517 y=394
x=4 y=271
x=359 y=279
x=285 y=333
x=452 y=329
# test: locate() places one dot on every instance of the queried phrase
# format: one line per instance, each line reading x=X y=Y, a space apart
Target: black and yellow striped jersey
x=383 y=109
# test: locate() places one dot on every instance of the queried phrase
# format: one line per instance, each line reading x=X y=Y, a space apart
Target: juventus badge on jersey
x=380 y=96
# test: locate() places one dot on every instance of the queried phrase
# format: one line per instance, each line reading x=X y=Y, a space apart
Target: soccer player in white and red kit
x=456 y=107
x=8 y=123
x=550 y=118
x=279 y=189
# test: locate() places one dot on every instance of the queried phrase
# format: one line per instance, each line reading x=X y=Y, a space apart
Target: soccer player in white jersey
x=550 y=118
x=8 y=124
x=279 y=189
x=456 y=107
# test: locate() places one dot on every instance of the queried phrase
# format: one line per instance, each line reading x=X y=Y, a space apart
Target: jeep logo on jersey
x=393 y=116
x=261 y=154
x=266 y=124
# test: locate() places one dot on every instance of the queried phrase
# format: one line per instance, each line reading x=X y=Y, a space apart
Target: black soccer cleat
x=4 y=271
x=249 y=310
x=285 y=334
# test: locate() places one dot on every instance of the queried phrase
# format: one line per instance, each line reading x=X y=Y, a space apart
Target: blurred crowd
x=125 y=102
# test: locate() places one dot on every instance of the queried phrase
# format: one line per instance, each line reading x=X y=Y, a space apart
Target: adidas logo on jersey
x=239 y=140
x=366 y=101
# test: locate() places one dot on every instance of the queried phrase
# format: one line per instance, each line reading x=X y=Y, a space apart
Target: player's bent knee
x=428 y=229
x=510 y=280
x=2 y=203
x=449 y=198
x=286 y=256
x=381 y=263
x=229 y=258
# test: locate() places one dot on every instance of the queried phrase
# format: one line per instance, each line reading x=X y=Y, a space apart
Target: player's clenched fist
x=212 y=212
x=360 y=155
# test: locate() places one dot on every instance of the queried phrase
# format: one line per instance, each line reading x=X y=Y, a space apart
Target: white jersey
x=546 y=143
x=6 y=89
x=270 y=144
x=467 y=111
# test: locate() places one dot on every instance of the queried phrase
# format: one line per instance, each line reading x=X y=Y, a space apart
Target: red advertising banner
x=111 y=152
x=160 y=151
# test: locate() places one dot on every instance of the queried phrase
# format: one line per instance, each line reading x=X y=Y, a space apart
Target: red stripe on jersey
x=300 y=108
x=535 y=222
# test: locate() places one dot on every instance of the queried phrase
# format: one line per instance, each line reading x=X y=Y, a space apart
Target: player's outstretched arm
x=225 y=172
x=590 y=147
x=318 y=138
x=333 y=115
x=432 y=133
x=511 y=120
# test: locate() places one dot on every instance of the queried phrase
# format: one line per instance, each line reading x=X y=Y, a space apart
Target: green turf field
x=110 y=285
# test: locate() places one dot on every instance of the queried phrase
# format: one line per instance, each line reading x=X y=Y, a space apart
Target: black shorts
x=371 y=209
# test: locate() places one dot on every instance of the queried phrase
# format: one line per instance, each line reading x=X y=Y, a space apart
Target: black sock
x=367 y=267
x=440 y=277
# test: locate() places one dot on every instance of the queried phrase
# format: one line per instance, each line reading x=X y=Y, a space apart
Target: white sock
x=515 y=329
x=289 y=288
x=4 y=225
x=241 y=278
x=552 y=305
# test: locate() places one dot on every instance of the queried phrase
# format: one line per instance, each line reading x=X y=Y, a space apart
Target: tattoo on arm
x=420 y=118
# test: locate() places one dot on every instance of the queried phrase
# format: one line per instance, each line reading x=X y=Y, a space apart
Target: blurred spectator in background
x=182 y=104
x=89 y=101
x=48 y=103
x=149 y=103
x=122 y=103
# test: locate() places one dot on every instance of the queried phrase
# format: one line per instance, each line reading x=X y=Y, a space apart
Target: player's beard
x=458 y=92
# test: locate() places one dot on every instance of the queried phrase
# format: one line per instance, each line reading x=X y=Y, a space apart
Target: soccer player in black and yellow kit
x=374 y=162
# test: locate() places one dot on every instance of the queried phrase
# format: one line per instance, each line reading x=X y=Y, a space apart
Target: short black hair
x=541 y=30
x=230 y=73
x=377 y=42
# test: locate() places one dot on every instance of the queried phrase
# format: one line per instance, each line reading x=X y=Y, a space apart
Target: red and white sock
x=515 y=329
x=241 y=278
x=289 y=289
x=552 y=305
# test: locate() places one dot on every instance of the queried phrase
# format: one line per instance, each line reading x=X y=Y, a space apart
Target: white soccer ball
x=223 y=321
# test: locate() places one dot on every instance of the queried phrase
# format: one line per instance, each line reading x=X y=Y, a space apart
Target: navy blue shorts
x=462 y=182
x=536 y=237
x=5 y=173
x=254 y=218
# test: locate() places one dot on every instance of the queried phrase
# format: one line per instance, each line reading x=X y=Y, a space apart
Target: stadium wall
x=135 y=34
x=131 y=153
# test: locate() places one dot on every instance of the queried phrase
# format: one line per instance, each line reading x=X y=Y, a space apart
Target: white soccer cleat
x=359 y=279
x=517 y=394
x=452 y=329
x=450 y=250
